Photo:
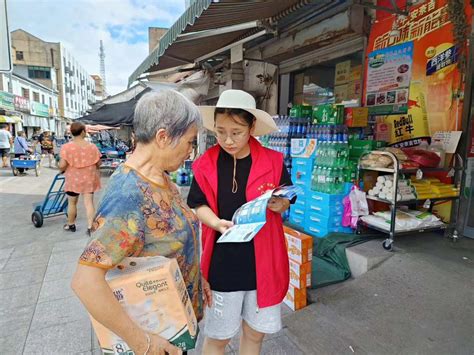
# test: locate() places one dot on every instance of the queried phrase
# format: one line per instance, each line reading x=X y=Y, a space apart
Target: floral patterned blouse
x=138 y=217
x=82 y=174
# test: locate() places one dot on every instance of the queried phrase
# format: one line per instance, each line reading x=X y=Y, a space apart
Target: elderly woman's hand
x=278 y=204
x=161 y=346
x=206 y=292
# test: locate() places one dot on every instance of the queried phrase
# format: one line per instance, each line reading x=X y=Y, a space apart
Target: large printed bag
x=153 y=293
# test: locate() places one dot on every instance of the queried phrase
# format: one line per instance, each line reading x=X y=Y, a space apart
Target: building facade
x=54 y=66
x=29 y=106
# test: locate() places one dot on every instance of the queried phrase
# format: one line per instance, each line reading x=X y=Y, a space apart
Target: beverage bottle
x=328 y=185
x=345 y=133
x=323 y=154
x=338 y=179
x=314 y=179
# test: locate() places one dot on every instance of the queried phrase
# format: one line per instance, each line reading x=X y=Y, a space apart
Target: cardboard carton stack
x=300 y=253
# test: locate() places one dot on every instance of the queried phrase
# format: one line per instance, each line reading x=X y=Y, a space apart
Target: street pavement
x=39 y=313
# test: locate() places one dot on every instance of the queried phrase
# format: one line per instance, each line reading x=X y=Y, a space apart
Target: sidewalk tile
x=65 y=338
x=32 y=249
x=280 y=346
x=21 y=278
x=13 y=319
x=55 y=290
x=5 y=253
x=13 y=343
x=19 y=296
x=60 y=271
x=27 y=263
x=61 y=311
x=70 y=245
x=62 y=257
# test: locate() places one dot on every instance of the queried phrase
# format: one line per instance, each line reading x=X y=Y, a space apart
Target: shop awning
x=209 y=25
x=10 y=119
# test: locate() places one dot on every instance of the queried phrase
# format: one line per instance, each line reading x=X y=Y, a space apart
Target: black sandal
x=70 y=227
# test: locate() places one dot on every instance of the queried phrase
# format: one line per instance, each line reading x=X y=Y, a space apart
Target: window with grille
x=39 y=72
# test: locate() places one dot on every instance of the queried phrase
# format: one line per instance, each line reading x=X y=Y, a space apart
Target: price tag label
x=419 y=174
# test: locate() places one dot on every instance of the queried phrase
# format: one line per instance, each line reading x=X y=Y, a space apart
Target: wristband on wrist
x=148 y=343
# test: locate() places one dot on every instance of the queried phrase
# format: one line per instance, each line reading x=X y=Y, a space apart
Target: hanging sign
x=6 y=101
x=388 y=79
x=21 y=104
x=39 y=109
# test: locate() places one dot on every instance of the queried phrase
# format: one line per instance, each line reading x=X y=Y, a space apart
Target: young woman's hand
x=278 y=204
x=206 y=293
x=222 y=225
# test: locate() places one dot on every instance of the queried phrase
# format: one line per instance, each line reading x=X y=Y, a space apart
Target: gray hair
x=169 y=110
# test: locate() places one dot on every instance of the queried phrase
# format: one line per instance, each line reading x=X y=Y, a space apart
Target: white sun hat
x=264 y=123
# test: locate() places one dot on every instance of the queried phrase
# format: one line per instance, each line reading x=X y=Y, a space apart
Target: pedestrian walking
x=5 y=144
x=80 y=162
x=244 y=283
x=21 y=148
x=142 y=214
x=47 y=146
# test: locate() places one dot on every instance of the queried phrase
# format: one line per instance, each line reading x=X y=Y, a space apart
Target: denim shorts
x=224 y=318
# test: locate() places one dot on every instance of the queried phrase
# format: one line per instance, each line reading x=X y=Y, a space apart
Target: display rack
x=450 y=229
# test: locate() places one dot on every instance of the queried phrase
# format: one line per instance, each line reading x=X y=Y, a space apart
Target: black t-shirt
x=232 y=264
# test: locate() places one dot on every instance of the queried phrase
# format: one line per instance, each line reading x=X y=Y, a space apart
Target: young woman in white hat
x=243 y=283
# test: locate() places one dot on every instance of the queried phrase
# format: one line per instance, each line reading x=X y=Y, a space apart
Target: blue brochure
x=251 y=217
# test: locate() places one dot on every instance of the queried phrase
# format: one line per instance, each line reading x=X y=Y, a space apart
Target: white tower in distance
x=102 y=68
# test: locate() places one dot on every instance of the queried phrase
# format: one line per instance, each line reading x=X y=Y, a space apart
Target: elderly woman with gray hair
x=142 y=214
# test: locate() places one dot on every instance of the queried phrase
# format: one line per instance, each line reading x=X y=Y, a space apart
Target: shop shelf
x=457 y=167
x=409 y=202
x=409 y=231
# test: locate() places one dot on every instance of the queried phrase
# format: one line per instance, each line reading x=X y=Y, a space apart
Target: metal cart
x=32 y=162
x=54 y=204
x=450 y=229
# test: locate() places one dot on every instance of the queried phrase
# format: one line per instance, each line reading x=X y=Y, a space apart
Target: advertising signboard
x=39 y=109
x=6 y=101
x=434 y=97
x=388 y=79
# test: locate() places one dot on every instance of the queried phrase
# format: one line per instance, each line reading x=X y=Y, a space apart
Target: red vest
x=270 y=248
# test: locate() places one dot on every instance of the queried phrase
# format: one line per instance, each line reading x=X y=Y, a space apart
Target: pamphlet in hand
x=251 y=217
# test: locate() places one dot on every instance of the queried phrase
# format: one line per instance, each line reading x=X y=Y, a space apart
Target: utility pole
x=102 y=69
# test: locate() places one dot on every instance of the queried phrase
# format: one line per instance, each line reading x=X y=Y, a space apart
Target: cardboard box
x=303 y=148
x=300 y=274
x=295 y=298
x=153 y=293
x=300 y=245
x=356 y=116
